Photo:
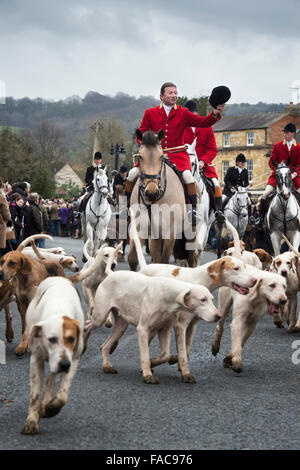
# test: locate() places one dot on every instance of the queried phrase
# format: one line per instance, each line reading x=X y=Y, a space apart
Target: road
x=257 y=409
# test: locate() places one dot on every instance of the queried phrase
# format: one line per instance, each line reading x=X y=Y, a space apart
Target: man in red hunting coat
x=286 y=149
x=174 y=119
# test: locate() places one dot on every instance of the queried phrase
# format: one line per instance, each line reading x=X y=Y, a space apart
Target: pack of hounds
x=166 y=297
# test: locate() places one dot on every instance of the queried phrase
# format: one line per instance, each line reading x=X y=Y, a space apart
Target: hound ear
x=274 y=163
x=36 y=332
x=74 y=256
x=161 y=135
x=224 y=253
x=139 y=135
x=215 y=270
x=272 y=267
x=254 y=292
x=25 y=265
x=183 y=299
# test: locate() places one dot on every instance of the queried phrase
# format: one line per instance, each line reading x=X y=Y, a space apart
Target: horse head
x=240 y=201
x=150 y=160
x=283 y=179
x=101 y=182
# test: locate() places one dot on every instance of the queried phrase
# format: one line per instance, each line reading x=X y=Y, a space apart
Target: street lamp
x=116 y=151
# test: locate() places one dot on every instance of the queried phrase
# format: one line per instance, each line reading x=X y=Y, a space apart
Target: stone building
x=67 y=175
x=253 y=135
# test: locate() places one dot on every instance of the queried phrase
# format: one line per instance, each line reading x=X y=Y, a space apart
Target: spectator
x=33 y=217
x=71 y=228
x=54 y=220
x=63 y=214
x=17 y=210
x=4 y=218
x=77 y=224
x=45 y=221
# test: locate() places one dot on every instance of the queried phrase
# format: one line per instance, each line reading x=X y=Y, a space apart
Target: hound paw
x=9 y=337
x=237 y=368
x=215 y=349
x=188 y=379
x=227 y=362
x=110 y=370
x=279 y=324
x=30 y=428
x=20 y=351
x=151 y=379
x=53 y=407
x=173 y=359
x=108 y=323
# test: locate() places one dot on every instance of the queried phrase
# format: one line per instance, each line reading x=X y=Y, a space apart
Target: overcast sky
x=58 y=48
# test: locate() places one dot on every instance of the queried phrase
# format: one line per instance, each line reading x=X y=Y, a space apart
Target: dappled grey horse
x=283 y=215
x=97 y=212
x=236 y=210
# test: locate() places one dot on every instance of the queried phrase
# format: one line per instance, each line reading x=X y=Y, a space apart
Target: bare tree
x=49 y=143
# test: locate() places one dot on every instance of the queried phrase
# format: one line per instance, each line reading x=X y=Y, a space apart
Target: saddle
x=168 y=162
x=84 y=201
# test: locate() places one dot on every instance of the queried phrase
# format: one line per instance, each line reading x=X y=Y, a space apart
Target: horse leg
x=132 y=257
x=155 y=250
x=90 y=237
x=275 y=239
x=168 y=246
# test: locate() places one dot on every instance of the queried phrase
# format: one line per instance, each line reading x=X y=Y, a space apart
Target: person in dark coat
x=17 y=211
x=91 y=170
x=33 y=216
x=235 y=176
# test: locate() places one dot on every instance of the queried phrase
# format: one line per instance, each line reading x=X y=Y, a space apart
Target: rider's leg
x=218 y=198
x=191 y=189
x=262 y=209
x=130 y=182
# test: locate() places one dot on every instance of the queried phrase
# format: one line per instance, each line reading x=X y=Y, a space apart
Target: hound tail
x=135 y=237
x=293 y=249
x=84 y=273
x=36 y=251
x=85 y=250
x=31 y=238
x=236 y=240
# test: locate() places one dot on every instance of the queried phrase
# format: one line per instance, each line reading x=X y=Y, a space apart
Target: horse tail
x=293 y=249
x=84 y=273
x=236 y=240
x=135 y=237
x=31 y=238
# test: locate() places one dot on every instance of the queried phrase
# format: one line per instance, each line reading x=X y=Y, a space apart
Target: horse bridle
x=239 y=206
x=157 y=179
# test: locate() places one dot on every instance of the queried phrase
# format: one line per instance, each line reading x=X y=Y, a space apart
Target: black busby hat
x=123 y=169
x=290 y=127
x=191 y=105
x=219 y=95
x=240 y=158
x=98 y=156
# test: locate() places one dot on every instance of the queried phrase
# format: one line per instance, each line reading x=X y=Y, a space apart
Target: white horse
x=236 y=210
x=98 y=212
x=207 y=216
x=283 y=215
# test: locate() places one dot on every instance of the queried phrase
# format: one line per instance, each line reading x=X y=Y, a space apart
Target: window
x=250 y=138
x=226 y=139
x=225 y=166
x=249 y=166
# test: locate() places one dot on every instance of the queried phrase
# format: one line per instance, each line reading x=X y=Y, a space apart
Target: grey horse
x=236 y=210
x=283 y=215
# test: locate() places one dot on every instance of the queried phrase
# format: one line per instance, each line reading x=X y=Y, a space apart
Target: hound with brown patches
x=247 y=256
x=55 y=323
x=264 y=257
x=25 y=275
x=269 y=293
x=54 y=268
x=286 y=265
x=54 y=328
x=6 y=296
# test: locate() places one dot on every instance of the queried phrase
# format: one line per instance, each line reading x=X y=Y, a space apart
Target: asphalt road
x=257 y=409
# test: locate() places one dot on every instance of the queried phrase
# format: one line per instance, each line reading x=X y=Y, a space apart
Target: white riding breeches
x=135 y=172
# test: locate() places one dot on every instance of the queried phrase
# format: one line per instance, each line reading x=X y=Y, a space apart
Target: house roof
x=66 y=174
x=247 y=121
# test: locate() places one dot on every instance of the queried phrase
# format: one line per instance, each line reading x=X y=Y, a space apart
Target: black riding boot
x=262 y=211
x=220 y=217
x=193 y=216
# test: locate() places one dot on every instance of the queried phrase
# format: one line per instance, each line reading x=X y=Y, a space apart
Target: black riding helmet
x=240 y=158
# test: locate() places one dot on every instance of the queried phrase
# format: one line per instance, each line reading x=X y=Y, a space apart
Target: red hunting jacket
x=206 y=147
x=174 y=126
x=281 y=153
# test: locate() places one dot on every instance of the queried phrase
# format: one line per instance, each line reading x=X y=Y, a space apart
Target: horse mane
x=150 y=139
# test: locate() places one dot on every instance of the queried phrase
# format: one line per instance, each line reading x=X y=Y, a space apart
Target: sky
x=59 y=48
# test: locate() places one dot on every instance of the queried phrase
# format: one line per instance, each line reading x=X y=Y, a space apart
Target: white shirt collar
x=167 y=109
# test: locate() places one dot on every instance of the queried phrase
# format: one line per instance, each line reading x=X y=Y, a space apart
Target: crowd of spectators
x=28 y=213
